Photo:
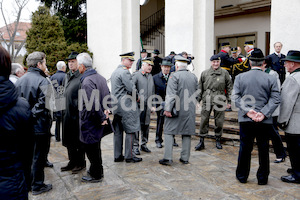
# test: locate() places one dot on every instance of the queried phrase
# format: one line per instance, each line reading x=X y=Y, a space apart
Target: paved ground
x=210 y=175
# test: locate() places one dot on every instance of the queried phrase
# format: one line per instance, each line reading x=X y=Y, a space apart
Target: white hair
x=257 y=63
x=15 y=68
x=181 y=65
x=85 y=59
x=60 y=65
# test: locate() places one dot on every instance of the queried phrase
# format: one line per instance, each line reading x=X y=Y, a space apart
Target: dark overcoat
x=70 y=134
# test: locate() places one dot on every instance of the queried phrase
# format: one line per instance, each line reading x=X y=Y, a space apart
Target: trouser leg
x=93 y=152
x=186 y=147
x=57 y=128
x=262 y=139
x=219 y=121
x=159 y=127
x=129 y=145
x=136 y=140
x=38 y=163
x=246 y=147
x=80 y=154
x=276 y=140
x=168 y=147
x=293 y=146
x=145 y=133
x=118 y=136
x=204 y=123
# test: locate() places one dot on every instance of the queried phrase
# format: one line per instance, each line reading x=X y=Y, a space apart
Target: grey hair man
x=256 y=94
x=57 y=80
x=182 y=84
x=91 y=119
x=17 y=71
x=30 y=87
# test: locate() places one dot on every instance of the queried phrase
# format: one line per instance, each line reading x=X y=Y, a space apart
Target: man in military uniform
x=144 y=54
x=143 y=82
x=235 y=53
x=125 y=110
x=245 y=65
x=182 y=84
x=226 y=60
x=212 y=84
x=157 y=61
x=275 y=62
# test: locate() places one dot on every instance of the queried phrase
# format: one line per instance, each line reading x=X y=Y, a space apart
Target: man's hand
x=106 y=112
x=167 y=113
x=259 y=117
x=153 y=109
x=252 y=114
x=104 y=123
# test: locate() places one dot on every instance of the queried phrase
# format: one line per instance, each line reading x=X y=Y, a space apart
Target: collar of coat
x=296 y=70
x=143 y=72
x=217 y=71
x=75 y=74
x=37 y=70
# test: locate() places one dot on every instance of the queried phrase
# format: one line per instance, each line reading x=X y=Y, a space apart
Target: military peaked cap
x=148 y=60
x=225 y=44
x=248 y=43
x=234 y=49
x=129 y=55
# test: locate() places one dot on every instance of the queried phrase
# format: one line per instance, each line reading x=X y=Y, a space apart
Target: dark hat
x=129 y=55
x=225 y=44
x=144 y=51
x=215 y=57
x=156 y=51
x=72 y=56
x=166 y=62
x=257 y=55
x=234 y=49
x=148 y=60
x=293 y=56
x=181 y=59
x=172 y=52
x=248 y=43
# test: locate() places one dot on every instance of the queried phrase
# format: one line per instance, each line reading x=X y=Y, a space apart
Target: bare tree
x=13 y=29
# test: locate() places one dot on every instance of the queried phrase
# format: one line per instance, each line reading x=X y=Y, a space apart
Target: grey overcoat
x=179 y=83
x=290 y=104
x=124 y=94
x=145 y=88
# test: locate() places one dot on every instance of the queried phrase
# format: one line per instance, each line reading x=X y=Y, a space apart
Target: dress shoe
x=133 y=160
x=218 y=143
x=183 y=162
x=89 y=179
x=165 y=162
x=279 y=160
x=77 y=169
x=48 y=164
x=145 y=149
x=89 y=173
x=262 y=182
x=200 y=145
x=175 y=144
x=136 y=151
x=159 y=145
x=290 y=179
x=57 y=140
x=67 y=168
x=119 y=159
x=290 y=171
x=242 y=180
x=44 y=188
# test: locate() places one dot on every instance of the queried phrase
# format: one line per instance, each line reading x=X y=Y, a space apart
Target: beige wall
x=258 y=22
x=151 y=7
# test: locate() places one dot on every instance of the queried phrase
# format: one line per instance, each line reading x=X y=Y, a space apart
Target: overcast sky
x=10 y=13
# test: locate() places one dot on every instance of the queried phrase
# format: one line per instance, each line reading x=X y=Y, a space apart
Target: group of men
x=173 y=96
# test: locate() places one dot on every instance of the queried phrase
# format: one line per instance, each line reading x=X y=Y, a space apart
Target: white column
x=189 y=26
x=113 y=28
x=285 y=27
